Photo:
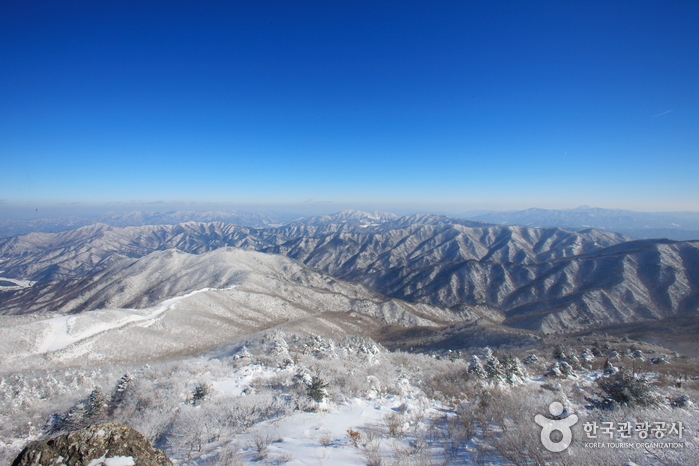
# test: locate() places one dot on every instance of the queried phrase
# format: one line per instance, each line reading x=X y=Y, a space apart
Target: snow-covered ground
x=251 y=403
x=64 y=331
x=184 y=324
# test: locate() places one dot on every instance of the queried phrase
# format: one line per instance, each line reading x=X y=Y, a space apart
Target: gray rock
x=100 y=441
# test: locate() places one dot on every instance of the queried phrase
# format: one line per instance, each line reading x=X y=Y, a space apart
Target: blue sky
x=437 y=105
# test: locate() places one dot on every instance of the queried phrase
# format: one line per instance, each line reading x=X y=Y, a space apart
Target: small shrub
x=280 y=460
x=372 y=455
x=230 y=458
x=354 y=437
x=467 y=418
x=325 y=440
x=628 y=389
x=260 y=442
x=455 y=435
x=394 y=423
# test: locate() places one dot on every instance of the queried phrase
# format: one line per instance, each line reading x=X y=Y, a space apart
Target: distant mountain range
x=679 y=226
x=52 y=225
x=541 y=279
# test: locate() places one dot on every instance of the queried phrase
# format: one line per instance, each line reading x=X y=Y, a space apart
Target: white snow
x=311 y=438
x=19 y=283
x=240 y=380
x=61 y=335
x=113 y=461
x=304 y=435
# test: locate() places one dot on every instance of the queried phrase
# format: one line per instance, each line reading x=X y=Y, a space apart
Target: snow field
x=67 y=330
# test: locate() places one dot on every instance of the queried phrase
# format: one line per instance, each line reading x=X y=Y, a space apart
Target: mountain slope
x=171 y=302
x=535 y=278
x=72 y=253
x=361 y=252
x=540 y=279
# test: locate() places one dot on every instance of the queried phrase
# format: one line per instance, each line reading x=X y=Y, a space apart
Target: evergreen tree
x=96 y=404
x=317 y=390
x=554 y=371
x=563 y=352
x=244 y=353
x=531 y=359
x=280 y=347
x=495 y=370
x=200 y=392
x=566 y=369
x=609 y=368
x=514 y=371
x=628 y=389
x=120 y=390
x=587 y=355
x=476 y=368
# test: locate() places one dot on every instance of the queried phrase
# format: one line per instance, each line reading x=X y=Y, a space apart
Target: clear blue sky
x=470 y=104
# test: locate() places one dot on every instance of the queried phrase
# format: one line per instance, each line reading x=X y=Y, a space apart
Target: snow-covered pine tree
x=476 y=367
x=554 y=371
x=495 y=370
x=280 y=347
x=562 y=352
x=75 y=416
x=96 y=404
x=514 y=371
x=244 y=353
x=566 y=369
x=609 y=368
x=628 y=389
x=531 y=359
x=120 y=390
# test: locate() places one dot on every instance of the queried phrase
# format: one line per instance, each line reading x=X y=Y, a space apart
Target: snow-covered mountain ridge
x=545 y=279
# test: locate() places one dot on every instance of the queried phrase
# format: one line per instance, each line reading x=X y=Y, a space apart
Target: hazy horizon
x=84 y=210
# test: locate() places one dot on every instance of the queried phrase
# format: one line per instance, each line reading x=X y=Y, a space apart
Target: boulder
x=102 y=444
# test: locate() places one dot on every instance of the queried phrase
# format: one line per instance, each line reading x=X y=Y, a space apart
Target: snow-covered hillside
x=172 y=303
x=283 y=398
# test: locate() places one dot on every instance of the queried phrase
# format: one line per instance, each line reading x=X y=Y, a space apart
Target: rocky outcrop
x=103 y=444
